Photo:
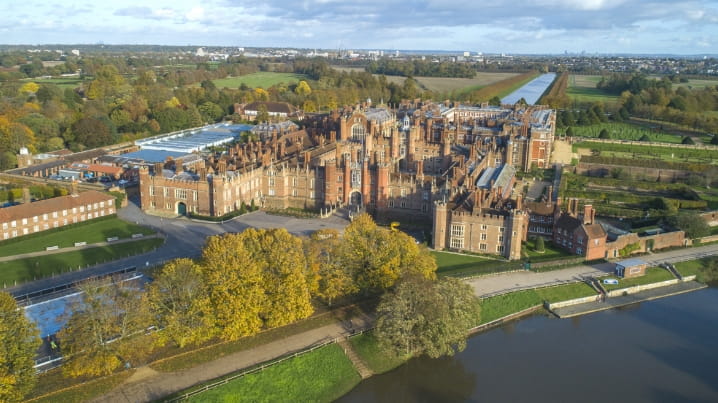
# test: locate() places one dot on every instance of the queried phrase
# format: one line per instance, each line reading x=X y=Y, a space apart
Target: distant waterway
x=532 y=91
x=664 y=350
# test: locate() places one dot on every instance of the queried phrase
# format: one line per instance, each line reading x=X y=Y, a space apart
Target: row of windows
x=55 y=224
x=55 y=214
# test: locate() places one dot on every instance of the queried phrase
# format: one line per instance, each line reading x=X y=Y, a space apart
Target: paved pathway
x=153 y=385
x=503 y=283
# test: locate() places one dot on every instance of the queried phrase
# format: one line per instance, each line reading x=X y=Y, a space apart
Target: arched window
x=358 y=132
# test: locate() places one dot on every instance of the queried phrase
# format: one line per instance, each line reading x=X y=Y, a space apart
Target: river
x=658 y=351
x=532 y=91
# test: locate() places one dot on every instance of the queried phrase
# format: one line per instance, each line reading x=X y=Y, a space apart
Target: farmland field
x=444 y=84
x=695 y=83
x=261 y=79
x=68 y=82
x=583 y=89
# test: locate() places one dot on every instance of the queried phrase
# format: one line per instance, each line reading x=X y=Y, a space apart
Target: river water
x=658 y=351
x=532 y=91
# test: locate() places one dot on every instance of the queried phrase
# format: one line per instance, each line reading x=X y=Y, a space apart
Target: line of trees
x=244 y=283
x=421 y=68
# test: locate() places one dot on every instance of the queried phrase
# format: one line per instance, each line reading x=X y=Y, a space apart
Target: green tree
x=569 y=131
x=539 y=245
x=421 y=316
x=604 y=134
x=692 y=223
x=495 y=101
x=18 y=345
x=262 y=114
x=107 y=329
x=179 y=299
x=687 y=140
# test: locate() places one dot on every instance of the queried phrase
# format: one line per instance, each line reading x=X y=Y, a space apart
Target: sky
x=495 y=26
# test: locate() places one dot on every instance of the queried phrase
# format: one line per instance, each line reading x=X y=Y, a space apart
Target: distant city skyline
x=525 y=27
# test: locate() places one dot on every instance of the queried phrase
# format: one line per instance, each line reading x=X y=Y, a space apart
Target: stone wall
x=638 y=288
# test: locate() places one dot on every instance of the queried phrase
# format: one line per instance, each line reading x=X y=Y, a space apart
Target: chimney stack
x=588 y=213
x=549 y=199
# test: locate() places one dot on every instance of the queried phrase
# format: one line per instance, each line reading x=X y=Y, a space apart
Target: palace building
x=451 y=165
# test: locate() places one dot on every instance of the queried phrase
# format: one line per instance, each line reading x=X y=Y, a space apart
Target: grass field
x=638 y=150
x=367 y=346
x=625 y=131
x=653 y=275
x=583 y=89
x=69 y=82
x=33 y=268
x=191 y=356
x=262 y=79
x=689 y=268
x=320 y=376
x=444 y=84
x=550 y=252
x=456 y=265
x=89 y=231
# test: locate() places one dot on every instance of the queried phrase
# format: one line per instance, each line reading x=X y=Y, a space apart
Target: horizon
x=546 y=27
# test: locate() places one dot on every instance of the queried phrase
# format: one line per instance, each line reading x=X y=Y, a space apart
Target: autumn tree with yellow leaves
x=179 y=300
x=378 y=257
x=107 y=329
x=256 y=279
x=18 y=344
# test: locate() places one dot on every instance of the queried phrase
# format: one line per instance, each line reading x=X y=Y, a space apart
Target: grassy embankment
x=653 y=275
x=320 y=376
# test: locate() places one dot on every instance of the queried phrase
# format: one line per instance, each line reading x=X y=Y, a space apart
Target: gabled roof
x=41 y=207
x=540 y=208
x=594 y=231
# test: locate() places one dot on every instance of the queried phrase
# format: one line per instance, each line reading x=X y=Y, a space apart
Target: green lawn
x=493 y=308
x=378 y=360
x=191 y=356
x=653 y=275
x=626 y=131
x=456 y=265
x=33 y=268
x=583 y=89
x=690 y=267
x=261 y=79
x=565 y=292
x=64 y=83
x=551 y=252
x=320 y=376
x=92 y=231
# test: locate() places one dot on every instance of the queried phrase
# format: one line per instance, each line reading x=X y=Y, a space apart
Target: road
x=503 y=283
x=183 y=238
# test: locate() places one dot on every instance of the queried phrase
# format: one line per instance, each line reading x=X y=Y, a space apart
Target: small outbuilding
x=631 y=268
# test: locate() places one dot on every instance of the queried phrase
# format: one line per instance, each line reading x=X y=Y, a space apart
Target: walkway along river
x=662 y=350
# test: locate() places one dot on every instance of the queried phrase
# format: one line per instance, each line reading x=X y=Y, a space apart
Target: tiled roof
x=29 y=210
x=275 y=107
x=540 y=208
x=594 y=231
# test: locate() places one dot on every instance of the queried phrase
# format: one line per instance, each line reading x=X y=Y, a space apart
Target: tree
x=604 y=134
x=644 y=138
x=262 y=114
x=687 y=140
x=329 y=279
x=569 y=131
x=106 y=329
x=692 y=223
x=256 y=278
x=421 y=316
x=29 y=88
x=179 y=299
x=18 y=345
x=377 y=257
x=539 y=244
x=495 y=101
x=93 y=132
x=303 y=89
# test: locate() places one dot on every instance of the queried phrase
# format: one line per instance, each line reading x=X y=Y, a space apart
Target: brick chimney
x=588 y=213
